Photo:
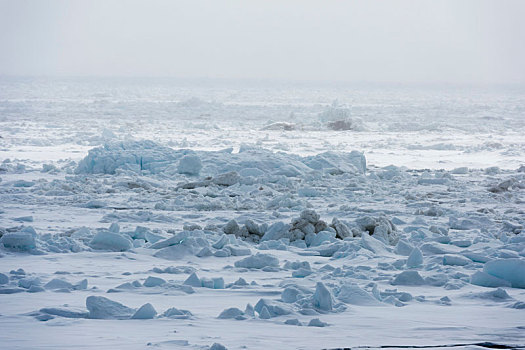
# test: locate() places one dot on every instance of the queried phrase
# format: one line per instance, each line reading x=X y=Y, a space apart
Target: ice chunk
x=218 y=283
x=238 y=251
x=20 y=241
x=4 y=279
x=177 y=314
x=227 y=179
x=315 y=322
x=58 y=284
x=291 y=295
x=374 y=245
x=64 y=312
x=231 y=228
x=456 y=260
x=483 y=279
x=232 y=312
x=265 y=314
x=217 y=346
x=193 y=280
x=408 y=278
x=145 y=312
x=353 y=294
x=258 y=261
x=276 y=231
x=152 y=281
x=190 y=164
x=403 y=248
x=274 y=308
x=415 y=259
x=322 y=298
x=104 y=308
x=511 y=270
x=293 y=322
x=222 y=241
x=111 y=241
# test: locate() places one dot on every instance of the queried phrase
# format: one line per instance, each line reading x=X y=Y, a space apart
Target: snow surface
x=138 y=214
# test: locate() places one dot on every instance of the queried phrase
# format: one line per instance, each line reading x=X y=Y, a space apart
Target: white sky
x=465 y=41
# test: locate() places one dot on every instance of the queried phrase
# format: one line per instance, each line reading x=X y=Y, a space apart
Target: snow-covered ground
x=180 y=214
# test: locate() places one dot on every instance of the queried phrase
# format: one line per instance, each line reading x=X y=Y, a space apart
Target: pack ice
x=208 y=232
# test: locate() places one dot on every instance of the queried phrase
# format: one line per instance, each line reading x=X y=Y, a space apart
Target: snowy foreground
x=125 y=232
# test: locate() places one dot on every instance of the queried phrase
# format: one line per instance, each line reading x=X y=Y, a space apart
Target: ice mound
x=140 y=156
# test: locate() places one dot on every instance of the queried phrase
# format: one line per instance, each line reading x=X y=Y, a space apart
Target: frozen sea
x=163 y=213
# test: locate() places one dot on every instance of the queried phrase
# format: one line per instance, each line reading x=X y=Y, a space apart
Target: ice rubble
x=150 y=157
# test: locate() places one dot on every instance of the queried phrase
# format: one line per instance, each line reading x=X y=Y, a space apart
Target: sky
x=450 y=41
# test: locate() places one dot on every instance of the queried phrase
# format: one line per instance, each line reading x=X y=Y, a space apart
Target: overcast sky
x=466 y=41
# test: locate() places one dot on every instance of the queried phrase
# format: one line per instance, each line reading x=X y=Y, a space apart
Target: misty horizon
x=446 y=42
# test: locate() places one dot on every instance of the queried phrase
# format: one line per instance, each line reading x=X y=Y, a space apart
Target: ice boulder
x=111 y=241
x=258 y=261
x=145 y=312
x=190 y=165
x=511 y=270
x=4 y=279
x=104 y=308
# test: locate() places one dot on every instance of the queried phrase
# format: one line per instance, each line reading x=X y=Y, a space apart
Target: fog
x=372 y=41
